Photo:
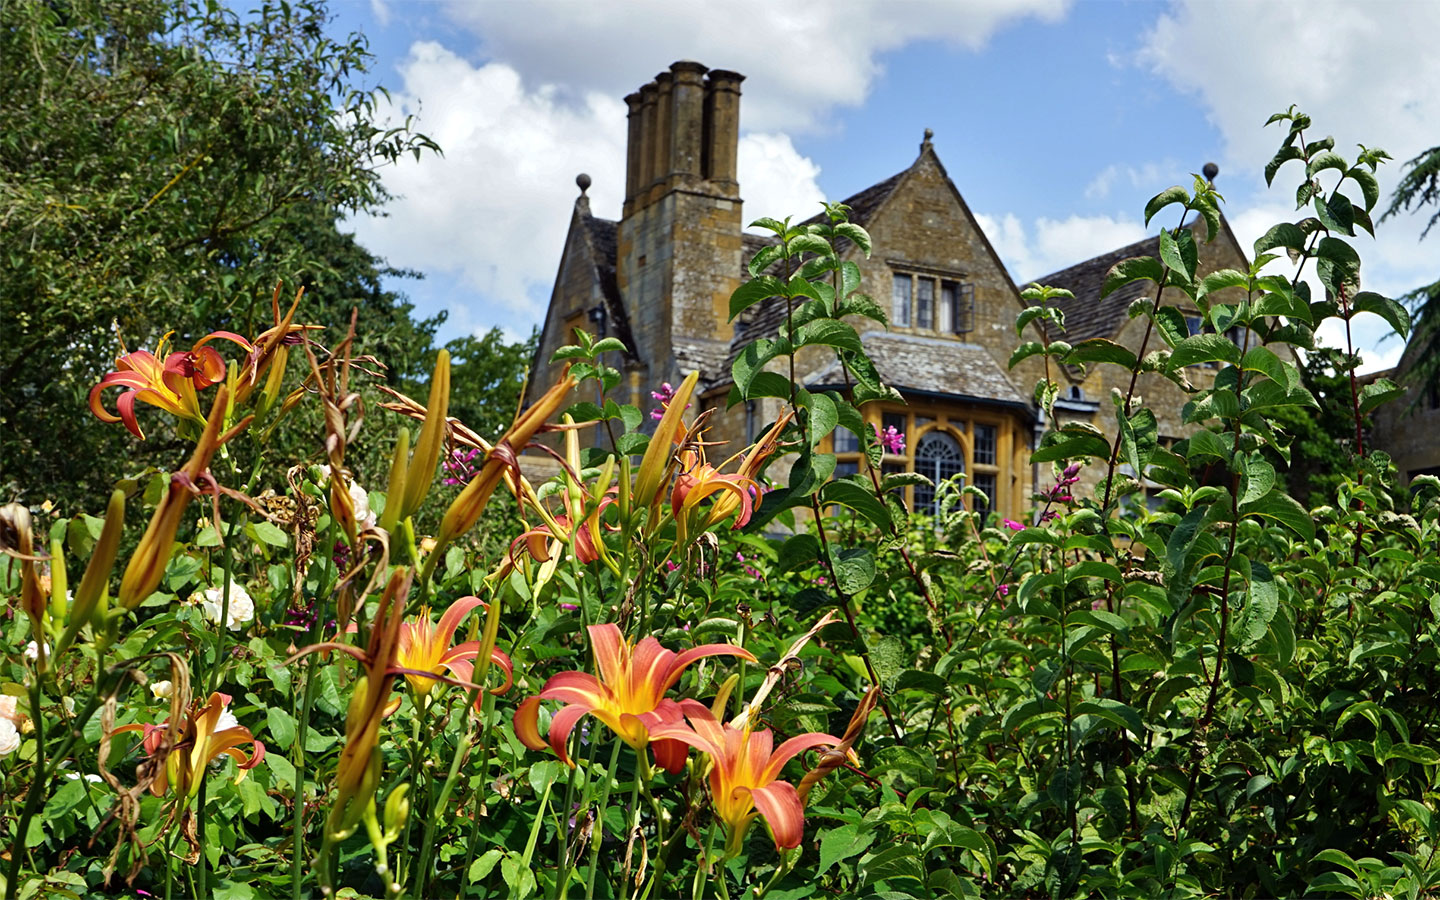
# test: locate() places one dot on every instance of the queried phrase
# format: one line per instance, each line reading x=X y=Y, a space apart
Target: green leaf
x=754 y=291
x=753 y=359
x=1415 y=753
x=1139 y=268
x=842 y=843
x=1203 y=348
x=1264 y=361
x=281 y=726
x=1115 y=712
x=1369 y=187
x=1070 y=445
x=1282 y=508
x=1336 y=213
x=863 y=305
x=1390 y=310
x=1100 y=350
x=1025 y=351
x=1285 y=235
x=1377 y=393
x=854 y=569
x=860 y=498
x=1338 y=265
x=797 y=551
x=1327 y=159
x=1262 y=601
x=1139 y=437
x=763 y=259
x=269 y=533
x=857 y=235
x=1287 y=153
x=1176 y=194
x=809 y=243
x=1171 y=324
x=1257 y=476
x=1178 y=251
x=829 y=333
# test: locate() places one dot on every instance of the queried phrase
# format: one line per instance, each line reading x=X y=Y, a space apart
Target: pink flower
x=671 y=565
x=1003 y=590
x=891 y=438
x=663 y=397
x=458 y=466
x=1014 y=525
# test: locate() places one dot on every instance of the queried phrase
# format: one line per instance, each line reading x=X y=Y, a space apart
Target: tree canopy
x=164 y=165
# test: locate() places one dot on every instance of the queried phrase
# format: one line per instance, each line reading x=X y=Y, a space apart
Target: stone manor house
x=660 y=278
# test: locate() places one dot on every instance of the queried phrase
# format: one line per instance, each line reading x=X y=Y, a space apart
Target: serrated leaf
x=1179 y=253
x=1069 y=445
x=1284 y=235
x=860 y=498
x=1377 y=393
x=1025 y=351
x=1286 y=153
x=797 y=551
x=1220 y=280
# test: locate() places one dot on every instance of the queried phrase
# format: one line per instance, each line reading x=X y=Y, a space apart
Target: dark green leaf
x=1176 y=194
x=1202 y=348
x=1390 y=310
x=1099 y=350
x=828 y=332
x=754 y=291
x=1139 y=268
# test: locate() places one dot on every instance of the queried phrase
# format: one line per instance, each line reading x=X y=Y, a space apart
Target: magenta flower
x=1013 y=525
x=663 y=397
x=459 y=466
x=1003 y=590
x=891 y=438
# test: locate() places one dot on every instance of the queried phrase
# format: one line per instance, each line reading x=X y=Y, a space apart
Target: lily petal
x=526 y=721
x=780 y=806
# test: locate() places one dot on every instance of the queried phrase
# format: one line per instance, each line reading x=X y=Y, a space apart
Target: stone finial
x=1210 y=171
x=583 y=181
x=925 y=144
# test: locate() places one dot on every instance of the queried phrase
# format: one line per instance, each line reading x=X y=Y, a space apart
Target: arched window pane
x=938 y=457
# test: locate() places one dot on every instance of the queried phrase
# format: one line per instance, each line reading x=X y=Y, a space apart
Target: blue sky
x=1056 y=120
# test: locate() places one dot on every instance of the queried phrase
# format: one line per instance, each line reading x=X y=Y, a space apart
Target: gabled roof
x=764 y=319
x=1087 y=316
x=930 y=366
x=603 y=243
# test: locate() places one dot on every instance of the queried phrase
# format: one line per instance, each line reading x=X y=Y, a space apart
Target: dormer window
x=932 y=303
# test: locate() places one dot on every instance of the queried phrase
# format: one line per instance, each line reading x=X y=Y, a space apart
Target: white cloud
x=1154 y=175
x=381 y=11
x=1056 y=244
x=492 y=212
x=775 y=180
x=1363 y=72
x=801 y=58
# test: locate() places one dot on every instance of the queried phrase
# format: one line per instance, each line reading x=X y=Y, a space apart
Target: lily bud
x=102 y=562
x=59 y=582
x=273 y=379
x=656 y=461
x=17 y=538
x=397 y=810
x=395 y=489
x=431 y=440
x=147 y=566
x=466 y=509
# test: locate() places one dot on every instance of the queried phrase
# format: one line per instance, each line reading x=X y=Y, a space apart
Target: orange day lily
x=745 y=768
x=629 y=695
x=207 y=732
x=425 y=648
x=170 y=385
x=699 y=480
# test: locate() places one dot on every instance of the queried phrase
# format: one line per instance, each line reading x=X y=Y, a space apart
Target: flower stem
x=597 y=832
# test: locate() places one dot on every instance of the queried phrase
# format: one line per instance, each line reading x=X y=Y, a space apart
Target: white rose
x=227 y=720
x=32 y=650
x=361 y=499
x=161 y=690
x=9 y=737
x=9 y=710
x=242 y=608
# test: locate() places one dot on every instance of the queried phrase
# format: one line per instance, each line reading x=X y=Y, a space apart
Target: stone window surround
x=941 y=279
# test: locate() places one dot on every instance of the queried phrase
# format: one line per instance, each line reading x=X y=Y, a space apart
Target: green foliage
x=164 y=166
